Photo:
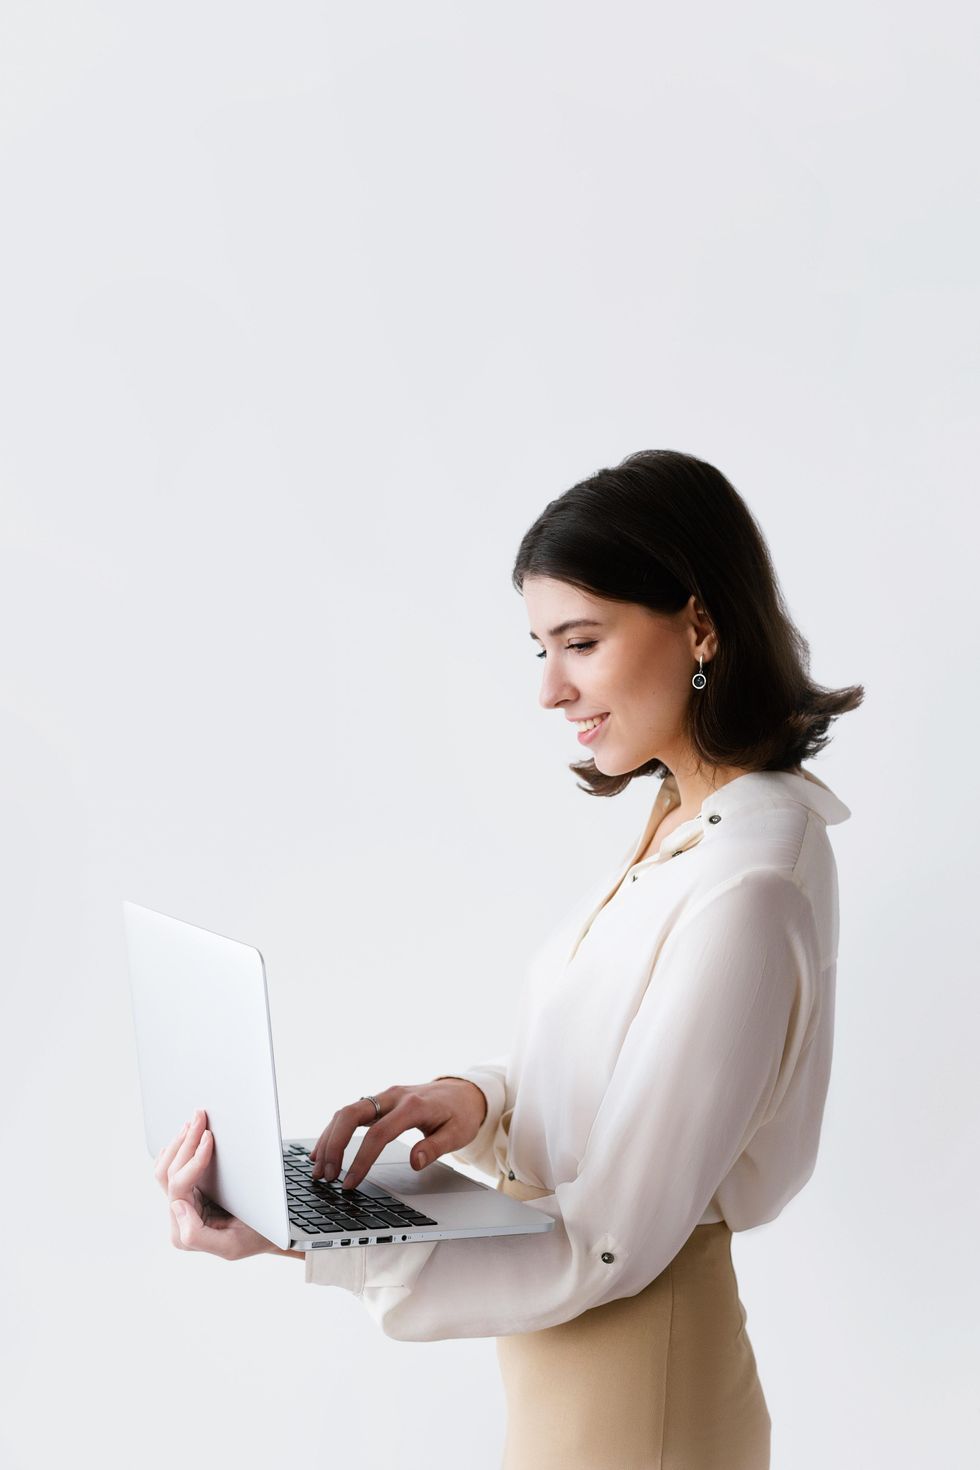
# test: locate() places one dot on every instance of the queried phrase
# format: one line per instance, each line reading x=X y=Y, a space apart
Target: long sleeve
x=491 y=1078
x=729 y=1007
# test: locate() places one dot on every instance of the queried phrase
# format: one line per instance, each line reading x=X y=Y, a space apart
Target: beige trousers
x=664 y=1380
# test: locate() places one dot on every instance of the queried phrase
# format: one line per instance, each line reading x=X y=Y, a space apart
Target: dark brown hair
x=655 y=529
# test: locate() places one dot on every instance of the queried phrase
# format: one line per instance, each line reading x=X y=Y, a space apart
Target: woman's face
x=626 y=662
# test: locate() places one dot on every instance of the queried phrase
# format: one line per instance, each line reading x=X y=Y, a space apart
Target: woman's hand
x=449 y=1111
x=196 y=1222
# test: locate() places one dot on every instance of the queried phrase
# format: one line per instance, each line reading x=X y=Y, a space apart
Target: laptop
x=204 y=1040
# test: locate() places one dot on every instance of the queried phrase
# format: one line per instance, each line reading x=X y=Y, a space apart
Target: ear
x=704 y=639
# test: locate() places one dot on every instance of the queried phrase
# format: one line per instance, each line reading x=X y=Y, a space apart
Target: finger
x=166 y=1155
x=191 y=1139
x=410 y=1112
x=231 y=1239
x=446 y=1138
x=339 y=1132
x=333 y=1142
x=316 y=1152
x=182 y=1178
x=443 y=1140
x=345 y=1124
x=193 y=1234
x=331 y=1153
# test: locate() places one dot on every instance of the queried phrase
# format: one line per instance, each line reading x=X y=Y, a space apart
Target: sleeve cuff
x=492 y=1085
x=335 y=1266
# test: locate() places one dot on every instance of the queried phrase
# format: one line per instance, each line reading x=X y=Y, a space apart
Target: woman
x=667 y=1081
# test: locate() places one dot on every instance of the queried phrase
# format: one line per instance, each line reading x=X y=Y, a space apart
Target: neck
x=693 y=786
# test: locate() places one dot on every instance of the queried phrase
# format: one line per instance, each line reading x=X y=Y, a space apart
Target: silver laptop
x=204 y=1040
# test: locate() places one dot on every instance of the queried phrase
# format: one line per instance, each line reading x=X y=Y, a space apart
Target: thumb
x=440 y=1141
x=182 y=1215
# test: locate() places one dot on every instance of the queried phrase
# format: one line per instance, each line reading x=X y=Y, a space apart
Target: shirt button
x=714 y=817
x=511 y=1174
x=608 y=1257
x=635 y=876
x=678 y=852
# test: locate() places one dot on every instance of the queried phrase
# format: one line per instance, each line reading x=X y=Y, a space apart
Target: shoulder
x=757 y=897
x=779 y=839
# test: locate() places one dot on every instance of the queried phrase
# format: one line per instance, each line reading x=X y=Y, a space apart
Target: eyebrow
x=572 y=623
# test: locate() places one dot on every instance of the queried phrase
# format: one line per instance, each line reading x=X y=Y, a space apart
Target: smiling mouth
x=589 y=734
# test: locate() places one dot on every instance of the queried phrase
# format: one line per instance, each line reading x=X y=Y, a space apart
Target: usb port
x=384 y=1239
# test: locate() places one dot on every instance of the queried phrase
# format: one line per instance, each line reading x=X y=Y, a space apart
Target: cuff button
x=608 y=1257
x=511 y=1174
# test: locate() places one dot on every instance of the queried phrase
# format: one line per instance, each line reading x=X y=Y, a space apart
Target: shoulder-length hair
x=655 y=529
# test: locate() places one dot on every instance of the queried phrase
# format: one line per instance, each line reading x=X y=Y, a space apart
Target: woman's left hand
x=196 y=1222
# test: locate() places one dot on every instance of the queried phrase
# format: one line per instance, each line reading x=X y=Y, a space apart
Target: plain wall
x=307 y=311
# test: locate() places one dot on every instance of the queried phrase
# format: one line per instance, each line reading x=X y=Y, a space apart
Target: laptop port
x=364 y=1240
x=384 y=1239
x=345 y=1242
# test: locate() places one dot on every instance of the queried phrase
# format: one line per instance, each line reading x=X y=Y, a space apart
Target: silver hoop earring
x=700 y=679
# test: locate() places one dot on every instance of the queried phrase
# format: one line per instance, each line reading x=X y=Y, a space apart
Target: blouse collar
x=771 y=788
x=755 y=790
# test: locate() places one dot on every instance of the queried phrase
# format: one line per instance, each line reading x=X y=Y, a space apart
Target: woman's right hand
x=197 y=1223
x=450 y=1112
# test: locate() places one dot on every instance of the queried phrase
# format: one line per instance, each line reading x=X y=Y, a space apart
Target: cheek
x=653 y=704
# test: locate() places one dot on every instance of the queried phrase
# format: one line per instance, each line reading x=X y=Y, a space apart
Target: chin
x=609 y=767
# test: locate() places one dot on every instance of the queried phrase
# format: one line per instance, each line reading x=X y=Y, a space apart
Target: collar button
x=714 y=817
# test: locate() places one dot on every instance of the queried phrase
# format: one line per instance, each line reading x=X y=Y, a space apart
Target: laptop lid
x=204 y=1040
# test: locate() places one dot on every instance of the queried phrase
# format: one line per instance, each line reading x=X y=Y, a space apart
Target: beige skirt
x=664 y=1380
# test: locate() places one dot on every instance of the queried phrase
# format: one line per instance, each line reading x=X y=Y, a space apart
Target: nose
x=555 y=689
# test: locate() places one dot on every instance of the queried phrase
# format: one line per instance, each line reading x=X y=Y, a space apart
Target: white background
x=307 y=311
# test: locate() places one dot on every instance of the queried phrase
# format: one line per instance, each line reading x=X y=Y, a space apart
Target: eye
x=577 y=646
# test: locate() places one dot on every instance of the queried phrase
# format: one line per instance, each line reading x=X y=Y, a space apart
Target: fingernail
x=421 y=1159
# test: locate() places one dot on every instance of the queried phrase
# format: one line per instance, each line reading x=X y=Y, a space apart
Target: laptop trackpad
x=433 y=1179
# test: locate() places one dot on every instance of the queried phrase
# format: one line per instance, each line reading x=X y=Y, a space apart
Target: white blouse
x=669 y=1069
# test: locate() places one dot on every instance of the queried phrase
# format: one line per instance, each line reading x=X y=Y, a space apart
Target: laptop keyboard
x=317 y=1206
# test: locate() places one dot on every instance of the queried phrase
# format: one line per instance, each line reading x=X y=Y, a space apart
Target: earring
x=700 y=678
